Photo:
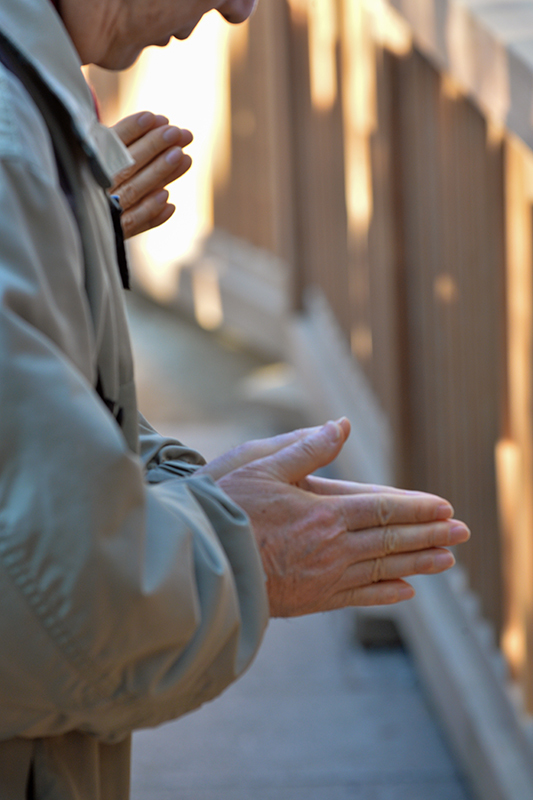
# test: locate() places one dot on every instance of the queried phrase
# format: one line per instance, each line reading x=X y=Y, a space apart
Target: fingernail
x=174 y=156
x=405 y=592
x=171 y=135
x=161 y=197
x=332 y=431
x=459 y=533
x=444 y=511
x=145 y=119
x=342 y=420
x=444 y=560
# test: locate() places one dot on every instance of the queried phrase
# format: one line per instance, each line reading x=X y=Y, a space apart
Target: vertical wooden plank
x=255 y=199
x=422 y=236
x=519 y=556
x=390 y=376
x=320 y=210
x=359 y=117
x=451 y=199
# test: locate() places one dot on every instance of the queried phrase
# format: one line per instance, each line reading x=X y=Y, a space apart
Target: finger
x=378 y=594
x=382 y=542
x=260 y=448
x=151 y=212
x=160 y=119
x=146 y=149
x=136 y=125
x=252 y=451
x=327 y=486
x=426 y=562
x=308 y=454
x=157 y=141
x=186 y=137
x=161 y=218
x=362 y=511
x=161 y=172
x=155 y=177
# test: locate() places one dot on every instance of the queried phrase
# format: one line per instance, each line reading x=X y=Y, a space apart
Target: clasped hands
x=157 y=149
x=327 y=544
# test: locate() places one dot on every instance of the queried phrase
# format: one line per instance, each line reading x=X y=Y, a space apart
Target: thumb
x=306 y=455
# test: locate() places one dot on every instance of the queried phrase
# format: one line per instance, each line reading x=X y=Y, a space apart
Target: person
x=136 y=580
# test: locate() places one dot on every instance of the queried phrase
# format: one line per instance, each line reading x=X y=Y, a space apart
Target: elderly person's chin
x=123 y=58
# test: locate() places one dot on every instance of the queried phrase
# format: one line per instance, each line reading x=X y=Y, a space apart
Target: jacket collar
x=36 y=30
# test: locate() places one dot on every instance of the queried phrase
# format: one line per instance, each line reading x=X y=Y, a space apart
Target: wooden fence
x=377 y=180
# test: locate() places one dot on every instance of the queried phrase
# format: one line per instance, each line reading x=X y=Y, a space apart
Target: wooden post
x=515 y=456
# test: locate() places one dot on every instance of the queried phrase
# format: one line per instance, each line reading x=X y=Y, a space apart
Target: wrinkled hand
x=259 y=448
x=156 y=147
x=328 y=544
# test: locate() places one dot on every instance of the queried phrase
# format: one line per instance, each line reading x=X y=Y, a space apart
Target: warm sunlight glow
x=359 y=97
x=519 y=291
x=449 y=87
x=361 y=342
x=206 y=294
x=239 y=42
x=389 y=29
x=322 y=53
x=495 y=133
x=445 y=288
x=508 y=480
x=188 y=82
x=299 y=11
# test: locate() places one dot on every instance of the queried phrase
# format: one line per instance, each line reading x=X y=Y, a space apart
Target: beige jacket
x=131 y=589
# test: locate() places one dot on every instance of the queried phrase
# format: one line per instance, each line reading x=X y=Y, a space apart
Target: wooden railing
x=378 y=179
x=377 y=159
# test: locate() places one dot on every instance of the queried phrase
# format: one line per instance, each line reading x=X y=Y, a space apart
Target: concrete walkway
x=317 y=717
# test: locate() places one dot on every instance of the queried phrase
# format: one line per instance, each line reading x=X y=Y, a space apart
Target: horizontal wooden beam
x=487 y=48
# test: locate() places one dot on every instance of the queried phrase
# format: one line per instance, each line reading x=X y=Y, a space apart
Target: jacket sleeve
x=124 y=603
x=165 y=458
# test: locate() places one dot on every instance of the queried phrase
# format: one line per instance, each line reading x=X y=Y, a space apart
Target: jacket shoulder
x=23 y=133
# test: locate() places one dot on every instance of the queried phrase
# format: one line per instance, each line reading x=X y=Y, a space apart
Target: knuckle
x=127 y=195
x=307 y=448
x=152 y=143
x=434 y=535
x=391 y=540
x=121 y=177
x=384 y=510
x=327 y=517
x=376 y=570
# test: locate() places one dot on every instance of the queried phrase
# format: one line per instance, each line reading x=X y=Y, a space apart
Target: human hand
x=259 y=448
x=332 y=544
x=156 y=147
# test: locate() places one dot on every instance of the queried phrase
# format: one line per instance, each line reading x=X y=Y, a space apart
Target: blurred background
x=357 y=222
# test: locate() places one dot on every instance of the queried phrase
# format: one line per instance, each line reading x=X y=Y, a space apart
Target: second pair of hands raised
x=157 y=149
